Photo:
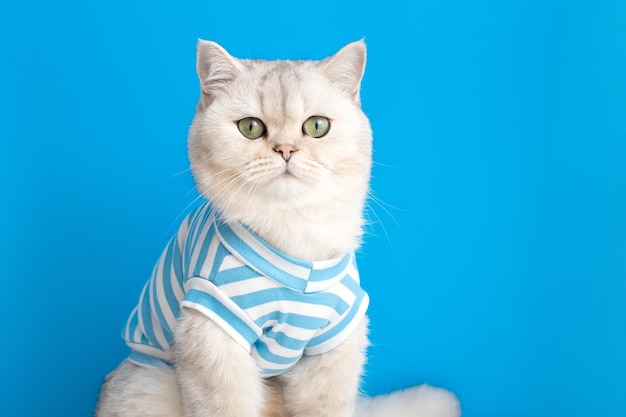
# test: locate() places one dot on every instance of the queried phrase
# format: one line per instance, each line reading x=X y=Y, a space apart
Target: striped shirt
x=275 y=306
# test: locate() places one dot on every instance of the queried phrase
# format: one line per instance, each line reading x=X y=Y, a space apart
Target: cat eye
x=316 y=126
x=251 y=127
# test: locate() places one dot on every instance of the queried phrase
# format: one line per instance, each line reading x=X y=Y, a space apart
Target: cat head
x=280 y=135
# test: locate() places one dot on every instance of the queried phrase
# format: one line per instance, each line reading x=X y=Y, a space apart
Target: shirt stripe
x=275 y=306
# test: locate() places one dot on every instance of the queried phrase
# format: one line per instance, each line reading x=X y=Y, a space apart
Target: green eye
x=316 y=126
x=251 y=127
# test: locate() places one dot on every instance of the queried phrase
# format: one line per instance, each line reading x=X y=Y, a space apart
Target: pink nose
x=285 y=151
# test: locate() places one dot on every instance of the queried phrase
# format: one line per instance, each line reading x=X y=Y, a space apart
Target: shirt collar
x=296 y=274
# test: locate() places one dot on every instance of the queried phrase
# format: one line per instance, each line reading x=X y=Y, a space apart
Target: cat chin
x=287 y=186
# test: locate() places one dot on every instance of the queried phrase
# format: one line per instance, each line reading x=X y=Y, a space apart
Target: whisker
x=199 y=196
x=184 y=171
x=380 y=222
x=181 y=212
x=226 y=189
x=381 y=164
x=382 y=205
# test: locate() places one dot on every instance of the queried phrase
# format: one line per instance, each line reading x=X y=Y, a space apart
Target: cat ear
x=215 y=68
x=346 y=68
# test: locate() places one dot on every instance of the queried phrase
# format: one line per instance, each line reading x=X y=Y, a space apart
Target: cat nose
x=285 y=151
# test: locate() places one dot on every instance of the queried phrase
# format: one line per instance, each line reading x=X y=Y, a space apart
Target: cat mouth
x=287 y=174
x=285 y=184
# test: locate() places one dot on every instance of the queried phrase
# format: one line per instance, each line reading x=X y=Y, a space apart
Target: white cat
x=255 y=308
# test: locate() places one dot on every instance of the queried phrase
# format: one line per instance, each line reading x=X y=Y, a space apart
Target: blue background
x=497 y=256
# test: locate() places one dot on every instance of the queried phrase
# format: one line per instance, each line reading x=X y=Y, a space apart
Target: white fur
x=309 y=207
x=417 y=401
x=316 y=212
x=132 y=390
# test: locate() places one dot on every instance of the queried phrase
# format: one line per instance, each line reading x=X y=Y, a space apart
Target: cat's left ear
x=216 y=69
x=346 y=68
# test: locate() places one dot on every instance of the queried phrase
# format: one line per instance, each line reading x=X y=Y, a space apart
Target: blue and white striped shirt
x=275 y=306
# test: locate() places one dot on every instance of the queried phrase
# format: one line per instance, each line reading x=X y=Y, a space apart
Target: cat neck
x=313 y=234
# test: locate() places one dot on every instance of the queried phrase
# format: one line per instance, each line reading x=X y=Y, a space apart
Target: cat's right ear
x=216 y=68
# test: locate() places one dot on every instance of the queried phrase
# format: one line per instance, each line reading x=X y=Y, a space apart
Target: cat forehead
x=265 y=69
x=285 y=89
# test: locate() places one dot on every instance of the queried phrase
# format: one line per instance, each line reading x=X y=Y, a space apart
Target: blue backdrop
x=496 y=258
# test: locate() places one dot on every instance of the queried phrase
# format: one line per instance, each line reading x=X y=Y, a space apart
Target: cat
x=255 y=308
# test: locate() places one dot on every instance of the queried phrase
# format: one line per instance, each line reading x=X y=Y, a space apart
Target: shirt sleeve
x=205 y=297
x=333 y=335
